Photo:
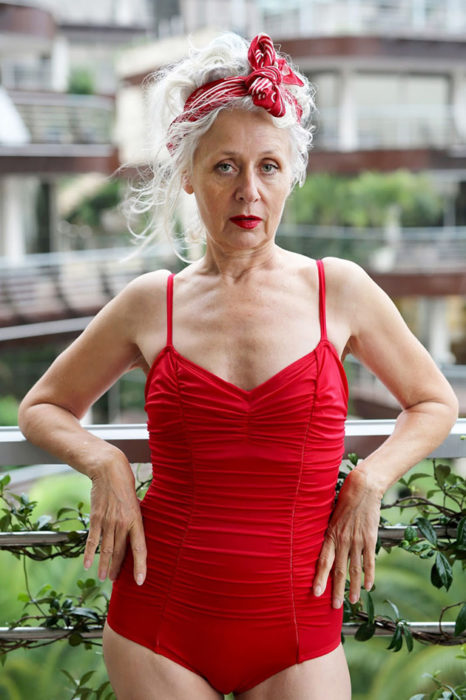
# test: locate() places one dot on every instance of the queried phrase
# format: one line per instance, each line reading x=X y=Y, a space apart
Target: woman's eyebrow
x=268 y=152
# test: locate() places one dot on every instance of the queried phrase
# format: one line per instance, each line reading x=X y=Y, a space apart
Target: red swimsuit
x=243 y=488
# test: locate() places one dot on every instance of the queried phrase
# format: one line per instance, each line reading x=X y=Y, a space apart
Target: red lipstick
x=246 y=221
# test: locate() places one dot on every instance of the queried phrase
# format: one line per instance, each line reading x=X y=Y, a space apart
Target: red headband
x=263 y=84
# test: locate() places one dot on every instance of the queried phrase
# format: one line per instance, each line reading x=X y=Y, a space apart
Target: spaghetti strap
x=170 y=307
x=323 y=323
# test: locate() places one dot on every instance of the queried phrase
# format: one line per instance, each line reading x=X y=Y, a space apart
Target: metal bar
x=43 y=633
x=35 y=537
x=349 y=628
x=29 y=538
x=362 y=437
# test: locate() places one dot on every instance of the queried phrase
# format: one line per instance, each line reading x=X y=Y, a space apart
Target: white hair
x=165 y=92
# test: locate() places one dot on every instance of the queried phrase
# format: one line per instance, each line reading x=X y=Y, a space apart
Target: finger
x=339 y=576
x=355 y=571
x=93 y=539
x=324 y=565
x=369 y=566
x=106 y=550
x=138 y=546
x=119 y=551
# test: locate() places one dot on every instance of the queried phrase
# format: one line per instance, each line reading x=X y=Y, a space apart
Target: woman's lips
x=246 y=221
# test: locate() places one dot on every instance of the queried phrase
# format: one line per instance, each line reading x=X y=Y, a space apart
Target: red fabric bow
x=265 y=84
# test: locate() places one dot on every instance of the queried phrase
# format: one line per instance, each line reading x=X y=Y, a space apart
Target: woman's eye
x=224 y=167
x=270 y=167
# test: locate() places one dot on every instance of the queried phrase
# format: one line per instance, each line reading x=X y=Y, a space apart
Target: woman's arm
x=49 y=417
x=381 y=340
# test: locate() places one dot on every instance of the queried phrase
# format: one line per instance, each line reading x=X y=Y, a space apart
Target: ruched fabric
x=243 y=488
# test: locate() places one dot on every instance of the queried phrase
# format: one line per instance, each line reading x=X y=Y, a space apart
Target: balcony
x=408 y=18
x=393 y=126
x=68 y=134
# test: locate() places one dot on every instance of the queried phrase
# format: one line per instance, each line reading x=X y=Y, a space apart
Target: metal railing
x=54 y=117
x=56 y=286
x=361 y=437
x=393 y=126
x=421 y=249
x=420 y=18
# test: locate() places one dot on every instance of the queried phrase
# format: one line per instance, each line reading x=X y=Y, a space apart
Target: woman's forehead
x=235 y=131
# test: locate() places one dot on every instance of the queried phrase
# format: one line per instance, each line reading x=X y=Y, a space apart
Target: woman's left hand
x=351 y=534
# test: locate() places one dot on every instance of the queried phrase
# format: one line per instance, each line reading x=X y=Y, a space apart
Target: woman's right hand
x=115 y=515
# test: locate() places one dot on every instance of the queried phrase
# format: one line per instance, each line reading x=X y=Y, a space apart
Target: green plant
x=81 y=81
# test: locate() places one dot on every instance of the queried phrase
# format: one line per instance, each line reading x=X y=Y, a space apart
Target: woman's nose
x=247 y=189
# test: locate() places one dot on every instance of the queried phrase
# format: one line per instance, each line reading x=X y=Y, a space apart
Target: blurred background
x=386 y=188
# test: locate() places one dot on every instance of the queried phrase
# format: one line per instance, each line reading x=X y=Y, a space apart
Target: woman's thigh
x=137 y=673
x=326 y=677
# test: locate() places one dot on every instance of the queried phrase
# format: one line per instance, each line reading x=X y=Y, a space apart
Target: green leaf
x=43 y=521
x=365 y=631
x=441 y=471
x=461 y=534
x=426 y=528
x=397 y=612
x=4 y=481
x=410 y=534
x=353 y=458
x=23 y=597
x=75 y=639
x=460 y=624
x=101 y=689
x=70 y=677
x=369 y=607
x=408 y=637
x=441 y=572
x=64 y=510
x=83 y=680
x=396 y=640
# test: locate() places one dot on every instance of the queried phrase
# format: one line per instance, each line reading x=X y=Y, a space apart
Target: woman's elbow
x=450 y=406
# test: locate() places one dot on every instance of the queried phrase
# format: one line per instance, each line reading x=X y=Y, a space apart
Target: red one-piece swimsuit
x=243 y=488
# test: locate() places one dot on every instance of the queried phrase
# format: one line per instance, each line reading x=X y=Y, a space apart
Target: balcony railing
x=393 y=126
x=420 y=18
x=48 y=287
x=61 y=118
x=362 y=437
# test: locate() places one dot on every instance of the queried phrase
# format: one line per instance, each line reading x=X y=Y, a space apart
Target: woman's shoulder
x=346 y=274
x=337 y=271
x=152 y=284
x=143 y=295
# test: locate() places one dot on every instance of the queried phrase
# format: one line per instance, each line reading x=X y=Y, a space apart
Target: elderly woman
x=229 y=576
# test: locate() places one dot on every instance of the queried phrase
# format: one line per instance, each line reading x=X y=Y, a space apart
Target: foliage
x=367 y=200
x=90 y=209
x=443 y=691
x=8 y=410
x=81 y=81
x=82 y=691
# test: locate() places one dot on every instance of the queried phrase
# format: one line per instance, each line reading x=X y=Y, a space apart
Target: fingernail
x=317 y=590
x=354 y=598
x=336 y=603
x=87 y=563
x=369 y=586
x=102 y=577
x=140 y=579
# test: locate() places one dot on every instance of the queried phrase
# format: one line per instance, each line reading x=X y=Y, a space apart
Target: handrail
x=28 y=538
x=361 y=437
x=447 y=629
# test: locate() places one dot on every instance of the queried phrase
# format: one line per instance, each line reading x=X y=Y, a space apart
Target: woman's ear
x=186 y=183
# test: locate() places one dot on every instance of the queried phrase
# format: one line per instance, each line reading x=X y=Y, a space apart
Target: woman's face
x=241 y=168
